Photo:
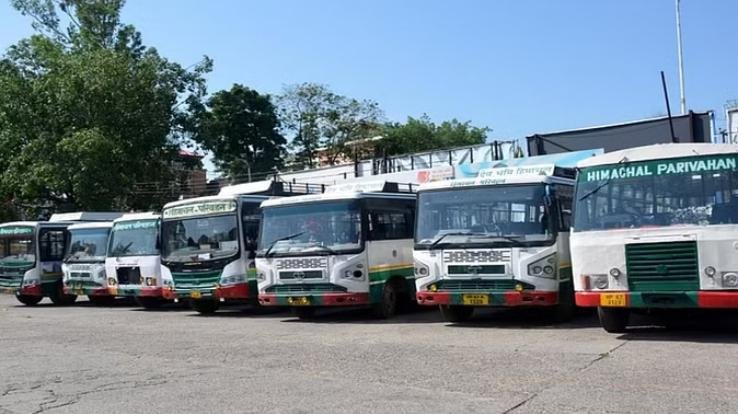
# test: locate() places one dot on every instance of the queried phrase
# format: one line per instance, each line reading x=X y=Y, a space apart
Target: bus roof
x=85 y=216
x=523 y=174
x=205 y=199
x=658 y=152
x=93 y=225
x=149 y=215
x=333 y=196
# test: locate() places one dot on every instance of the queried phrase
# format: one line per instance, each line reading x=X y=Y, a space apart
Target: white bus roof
x=206 y=199
x=85 y=216
x=246 y=188
x=333 y=196
x=658 y=152
x=21 y=223
x=92 y=225
x=138 y=216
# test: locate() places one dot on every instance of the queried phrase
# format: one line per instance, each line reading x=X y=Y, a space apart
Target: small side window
x=51 y=244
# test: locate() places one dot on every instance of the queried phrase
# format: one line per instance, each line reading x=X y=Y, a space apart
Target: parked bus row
x=634 y=230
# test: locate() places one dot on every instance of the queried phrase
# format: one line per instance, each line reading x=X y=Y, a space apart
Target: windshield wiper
x=438 y=240
x=512 y=239
x=291 y=236
x=601 y=186
x=324 y=247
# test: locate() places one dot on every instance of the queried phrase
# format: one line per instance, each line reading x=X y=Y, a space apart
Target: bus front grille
x=669 y=266
x=11 y=281
x=193 y=280
x=306 y=288
x=481 y=284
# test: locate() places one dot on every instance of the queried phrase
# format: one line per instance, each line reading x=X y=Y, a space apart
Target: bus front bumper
x=236 y=291
x=86 y=291
x=136 y=291
x=510 y=298
x=677 y=299
x=312 y=299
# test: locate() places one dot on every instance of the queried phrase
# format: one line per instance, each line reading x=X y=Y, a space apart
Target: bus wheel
x=149 y=303
x=102 y=300
x=387 y=305
x=204 y=307
x=613 y=320
x=455 y=313
x=58 y=297
x=29 y=300
x=304 y=313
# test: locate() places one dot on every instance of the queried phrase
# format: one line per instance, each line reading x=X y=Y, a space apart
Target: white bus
x=84 y=262
x=498 y=240
x=31 y=254
x=208 y=243
x=656 y=227
x=351 y=246
x=133 y=264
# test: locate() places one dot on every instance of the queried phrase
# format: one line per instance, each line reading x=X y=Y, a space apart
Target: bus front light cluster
x=710 y=271
x=615 y=272
x=545 y=267
x=112 y=281
x=150 y=281
x=229 y=280
x=355 y=273
x=421 y=270
x=730 y=279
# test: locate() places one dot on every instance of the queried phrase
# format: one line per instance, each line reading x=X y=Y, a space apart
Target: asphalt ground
x=121 y=359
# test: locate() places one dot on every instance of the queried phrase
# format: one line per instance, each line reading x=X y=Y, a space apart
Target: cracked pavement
x=121 y=359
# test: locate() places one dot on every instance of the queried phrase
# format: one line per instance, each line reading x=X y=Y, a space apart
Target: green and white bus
x=656 y=227
x=31 y=254
x=348 y=247
x=208 y=243
x=500 y=239
x=84 y=262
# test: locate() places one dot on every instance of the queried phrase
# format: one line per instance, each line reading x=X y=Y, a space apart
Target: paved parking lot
x=121 y=360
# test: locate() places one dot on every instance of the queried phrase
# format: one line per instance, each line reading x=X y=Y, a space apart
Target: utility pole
x=682 y=98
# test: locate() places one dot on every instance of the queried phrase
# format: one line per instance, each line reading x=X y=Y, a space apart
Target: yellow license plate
x=79 y=292
x=613 y=300
x=475 y=299
x=195 y=294
x=299 y=301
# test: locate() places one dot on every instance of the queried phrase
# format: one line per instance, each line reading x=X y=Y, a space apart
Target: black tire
x=387 y=306
x=102 y=300
x=305 y=313
x=456 y=313
x=59 y=298
x=204 y=306
x=149 y=303
x=29 y=300
x=563 y=312
x=613 y=320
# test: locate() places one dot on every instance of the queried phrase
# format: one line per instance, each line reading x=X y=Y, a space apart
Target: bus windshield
x=87 y=245
x=199 y=239
x=661 y=193
x=492 y=215
x=16 y=245
x=134 y=238
x=317 y=228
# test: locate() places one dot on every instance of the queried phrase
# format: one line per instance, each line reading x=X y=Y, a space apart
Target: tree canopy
x=87 y=111
x=241 y=128
x=422 y=134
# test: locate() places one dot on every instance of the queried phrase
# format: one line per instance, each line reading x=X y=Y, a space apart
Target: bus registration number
x=195 y=294
x=613 y=299
x=475 y=299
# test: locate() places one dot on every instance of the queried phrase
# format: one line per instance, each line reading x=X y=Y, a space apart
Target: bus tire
x=613 y=320
x=102 y=300
x=149 y=303
x=456 y=313
x=305 y=313
x=29 y=300
x=387 y=305
x=59 y=298
x=204 y=307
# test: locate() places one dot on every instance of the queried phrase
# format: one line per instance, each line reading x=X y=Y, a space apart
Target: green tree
x=422 y=134
x=87 y=113
x=319 y=119
x=241 y=128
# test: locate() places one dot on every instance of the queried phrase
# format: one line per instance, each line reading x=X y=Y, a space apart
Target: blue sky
x=518 y=67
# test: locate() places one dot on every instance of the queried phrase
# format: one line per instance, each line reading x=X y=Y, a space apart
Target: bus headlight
x=710 y=271
x=730 y=279
x=421 y=270
x=150 y=281
x=615 y=272
x=600 y=281
x=545 y=267
x=112 y=281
